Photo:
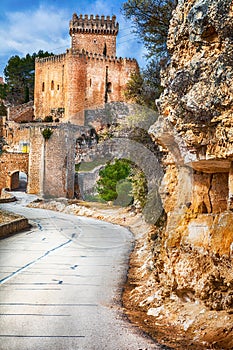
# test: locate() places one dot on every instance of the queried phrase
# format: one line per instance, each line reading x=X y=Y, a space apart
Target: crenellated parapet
x=55 y=58
x=95 y=25
x=99 y=57
x=88 y=75
x=85 y=55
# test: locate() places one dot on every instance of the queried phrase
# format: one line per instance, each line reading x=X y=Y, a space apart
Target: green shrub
x=48 y=119
x=47 y=133
x=110 y=176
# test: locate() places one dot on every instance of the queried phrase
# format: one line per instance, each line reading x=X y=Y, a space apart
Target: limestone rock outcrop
x=190 y=256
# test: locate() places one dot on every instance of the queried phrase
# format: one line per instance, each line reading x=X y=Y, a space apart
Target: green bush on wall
x=48 y=119
x=47 y=133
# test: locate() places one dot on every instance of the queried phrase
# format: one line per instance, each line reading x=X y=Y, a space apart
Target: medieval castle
x=87 y=76
x=68 y=87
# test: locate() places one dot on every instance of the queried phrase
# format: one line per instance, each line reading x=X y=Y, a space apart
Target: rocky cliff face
x=189 y=268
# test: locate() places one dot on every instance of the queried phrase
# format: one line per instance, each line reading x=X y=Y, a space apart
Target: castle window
x=52 y=85
x=90 y=82
x=58 y=87
x=105 y=50
x=109 y=87
x=43 y=86
x=95 y=41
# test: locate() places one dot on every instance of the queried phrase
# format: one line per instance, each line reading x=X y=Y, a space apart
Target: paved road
x=61 y=283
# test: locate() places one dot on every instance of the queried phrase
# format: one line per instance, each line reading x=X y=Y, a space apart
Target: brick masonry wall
x=15 y=134
x=95 y=43
x=24 y=112
x=13 y=227
x=82 y=80
x=59 y=163
x=35 y=168
x=9 y=164
x=50 y=85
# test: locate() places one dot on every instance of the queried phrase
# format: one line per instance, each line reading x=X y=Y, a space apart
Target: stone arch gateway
x=49 y=165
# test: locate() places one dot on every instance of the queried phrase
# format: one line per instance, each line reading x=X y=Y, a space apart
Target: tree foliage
x=151 y=20
x=47 y=133
x=144 y=87
x=19 y=74
x=139 y=187
x=3 y=91
x=3 y=110
x=122 y=182
x=110 y=176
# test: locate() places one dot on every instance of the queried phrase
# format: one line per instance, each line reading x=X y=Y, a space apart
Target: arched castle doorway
x=18 y=181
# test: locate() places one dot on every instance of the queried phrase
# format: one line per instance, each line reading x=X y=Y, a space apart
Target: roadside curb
x=15 y=226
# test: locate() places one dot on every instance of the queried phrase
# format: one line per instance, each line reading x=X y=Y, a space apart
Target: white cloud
x=28 y=32
x=46 y=28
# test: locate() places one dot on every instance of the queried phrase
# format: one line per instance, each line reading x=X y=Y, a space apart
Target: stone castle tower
x=87 y=76
x=97 y=35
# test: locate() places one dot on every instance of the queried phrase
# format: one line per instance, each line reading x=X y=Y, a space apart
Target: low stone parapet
x=12 y=227
x=6 y=197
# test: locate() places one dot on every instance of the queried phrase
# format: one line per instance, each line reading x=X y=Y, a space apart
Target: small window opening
x=105 y=50
x=95 y=41
x=109 y=87
x=58 y=87
x=52 y=85
x=90 y=82
x=43 y=86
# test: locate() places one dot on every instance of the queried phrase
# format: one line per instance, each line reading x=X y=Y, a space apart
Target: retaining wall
x=12 y=227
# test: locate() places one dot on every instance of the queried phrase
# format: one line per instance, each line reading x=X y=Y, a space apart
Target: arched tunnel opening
x=18 y=181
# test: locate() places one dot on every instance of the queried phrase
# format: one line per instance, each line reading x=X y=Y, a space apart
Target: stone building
x=87 y=76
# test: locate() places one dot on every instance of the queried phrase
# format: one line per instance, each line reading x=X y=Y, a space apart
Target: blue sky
x=28 y=26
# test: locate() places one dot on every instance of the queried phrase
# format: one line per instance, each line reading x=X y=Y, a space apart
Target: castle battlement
x=84 y=54
x=88 y=75
x=55 y=58
x=99 y=57
x=94 y=25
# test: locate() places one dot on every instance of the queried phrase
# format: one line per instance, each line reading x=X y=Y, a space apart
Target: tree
x=3 y=110
x=19 y=74
x=3 y=91
x=139 y=187
x=110 y=176
x=151 y=19
x=144 y=87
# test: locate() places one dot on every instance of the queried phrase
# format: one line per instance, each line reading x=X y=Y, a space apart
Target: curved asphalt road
x=61 y=283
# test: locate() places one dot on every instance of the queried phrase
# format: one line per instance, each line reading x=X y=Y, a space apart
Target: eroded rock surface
x=186 y=281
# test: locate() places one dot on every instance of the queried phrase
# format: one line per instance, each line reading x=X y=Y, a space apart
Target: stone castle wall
x=51 y=162
x=17 y=137
x=50 y=85
x=87 y=76
x=11 y=163
x=79 y=81
x=48 y=164
x=21 y=113
x=59 y=165
x=95 y=34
